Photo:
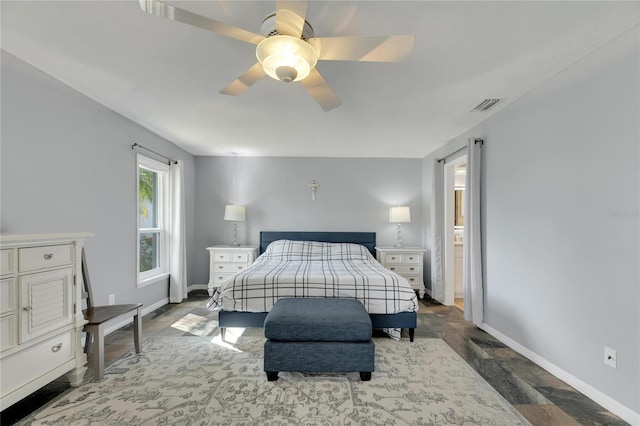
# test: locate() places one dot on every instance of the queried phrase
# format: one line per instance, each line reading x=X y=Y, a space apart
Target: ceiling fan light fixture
x=286 y=58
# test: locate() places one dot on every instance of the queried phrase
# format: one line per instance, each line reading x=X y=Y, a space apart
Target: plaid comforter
x=314 y=269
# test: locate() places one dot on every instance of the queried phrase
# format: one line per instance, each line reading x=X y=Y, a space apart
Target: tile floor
x=542 y=398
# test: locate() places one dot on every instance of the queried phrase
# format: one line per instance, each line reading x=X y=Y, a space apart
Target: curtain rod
x=169 y=159
x=452 y=154
x=480 y=141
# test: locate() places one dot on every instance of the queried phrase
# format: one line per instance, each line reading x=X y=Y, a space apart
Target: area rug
x=200 y=381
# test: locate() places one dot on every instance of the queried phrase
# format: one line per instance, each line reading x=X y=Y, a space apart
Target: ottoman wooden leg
x=273 y=375
x=365 y=376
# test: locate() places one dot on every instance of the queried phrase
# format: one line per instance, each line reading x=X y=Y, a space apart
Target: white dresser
x=406 y=262
x=226 y=261
x=41 y=312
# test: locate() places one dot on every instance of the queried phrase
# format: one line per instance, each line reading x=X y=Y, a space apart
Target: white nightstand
x=226 y=261
x=406 y=262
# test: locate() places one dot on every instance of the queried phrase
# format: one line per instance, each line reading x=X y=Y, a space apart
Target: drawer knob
x=412 y=279
x=48 y=256
x=412 y=269
x=56 y=348
x=27 y=308
x=220 y=278
x=240 y=268
x=393 y=269
x=220 y=267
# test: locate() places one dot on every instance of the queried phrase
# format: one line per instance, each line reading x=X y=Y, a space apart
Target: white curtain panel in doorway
x=472 y=264
x=178 y=253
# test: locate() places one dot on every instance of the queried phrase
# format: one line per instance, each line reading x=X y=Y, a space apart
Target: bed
x=316 y=264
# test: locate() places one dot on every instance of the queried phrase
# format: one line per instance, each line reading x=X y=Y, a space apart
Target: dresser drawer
x=35 y=258
x=35 y=361
x=7 y=295
x=405 y=269
x=229 y=267
x=8 y=338
x=7 y=261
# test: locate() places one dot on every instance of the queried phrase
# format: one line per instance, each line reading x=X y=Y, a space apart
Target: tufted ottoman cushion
x=318 y=320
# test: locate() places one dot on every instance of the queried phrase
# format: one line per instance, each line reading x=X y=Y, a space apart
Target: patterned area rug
x=199 y=381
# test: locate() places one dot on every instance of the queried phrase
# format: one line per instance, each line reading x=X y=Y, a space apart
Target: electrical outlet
x=112 y=299
x=610 y=357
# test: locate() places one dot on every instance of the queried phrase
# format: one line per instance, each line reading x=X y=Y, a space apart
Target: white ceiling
x=166 y=75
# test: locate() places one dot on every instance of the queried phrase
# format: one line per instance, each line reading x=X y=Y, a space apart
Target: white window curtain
x=437 y=223
x=177 y=250
x=472 y=265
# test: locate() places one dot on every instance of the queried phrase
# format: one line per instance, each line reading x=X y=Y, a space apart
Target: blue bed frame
x=368 y=239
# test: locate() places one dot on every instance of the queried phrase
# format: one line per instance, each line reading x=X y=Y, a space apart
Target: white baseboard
x=110 y=328
x=197 y=287
x=606 y=401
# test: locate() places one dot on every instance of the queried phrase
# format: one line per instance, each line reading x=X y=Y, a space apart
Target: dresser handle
x=240 y=268
x=393 y=269
x=27 y=308
x=220 y=278
x=48 y=256
x=220 y=267
x=412 y=269
x=56 y=348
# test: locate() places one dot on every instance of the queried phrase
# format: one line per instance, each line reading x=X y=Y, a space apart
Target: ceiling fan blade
x=246 y=80
x=290 y=16
x=364 y=48
x=165 y=10
x=321 y=91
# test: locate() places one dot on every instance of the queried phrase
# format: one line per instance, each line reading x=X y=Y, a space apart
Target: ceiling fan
x=288 y=50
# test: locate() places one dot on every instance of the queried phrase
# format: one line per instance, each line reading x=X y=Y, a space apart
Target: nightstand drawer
x=392 y=258
x=240 y=257
x=218 y=279
x=414 y=280
x=229 y=267
x=221 y=256
x=405 y=269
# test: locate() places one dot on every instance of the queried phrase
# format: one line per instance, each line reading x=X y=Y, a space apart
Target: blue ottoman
x=318 y=335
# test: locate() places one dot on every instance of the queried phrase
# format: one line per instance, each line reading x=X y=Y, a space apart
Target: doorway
x=453 y=232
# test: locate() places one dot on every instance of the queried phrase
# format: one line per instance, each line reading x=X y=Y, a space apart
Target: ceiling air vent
x=486 y=104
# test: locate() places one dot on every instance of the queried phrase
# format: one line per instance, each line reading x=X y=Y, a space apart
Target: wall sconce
x=399 y=215
x=236 y=214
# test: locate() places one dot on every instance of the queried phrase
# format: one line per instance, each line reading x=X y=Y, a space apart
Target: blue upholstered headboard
x=367 y=239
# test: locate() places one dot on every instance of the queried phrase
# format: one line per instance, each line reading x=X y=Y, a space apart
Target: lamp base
x=235 y=235
x=399 y=237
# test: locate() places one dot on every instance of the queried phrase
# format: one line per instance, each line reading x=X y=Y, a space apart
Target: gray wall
x=353 y=195
x=561 y=222
x=67 y=166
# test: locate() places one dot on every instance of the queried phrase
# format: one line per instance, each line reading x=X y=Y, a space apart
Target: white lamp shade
x=234 y=213
x=399 y=214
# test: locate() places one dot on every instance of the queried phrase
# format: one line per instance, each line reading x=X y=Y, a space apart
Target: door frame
x=448 y=228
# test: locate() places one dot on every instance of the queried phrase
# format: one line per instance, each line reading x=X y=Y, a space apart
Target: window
x=153 y=215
